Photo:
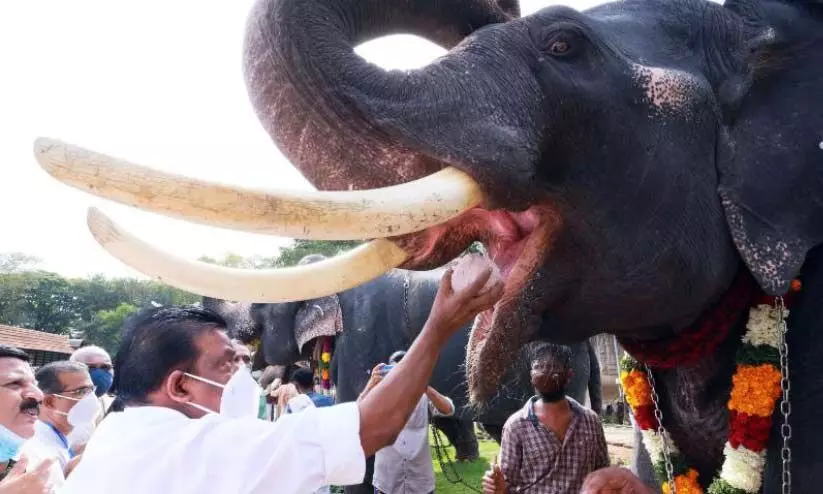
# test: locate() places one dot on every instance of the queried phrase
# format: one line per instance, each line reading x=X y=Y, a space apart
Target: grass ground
x=470 y=472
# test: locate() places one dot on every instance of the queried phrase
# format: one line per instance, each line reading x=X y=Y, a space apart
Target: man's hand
x=493 y=481
x=374 y=379
x=19 y=481
x=454 y=309
x=385 y=410
x=614 y=480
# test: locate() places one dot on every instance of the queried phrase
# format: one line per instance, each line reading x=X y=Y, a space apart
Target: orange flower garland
x=755 y=392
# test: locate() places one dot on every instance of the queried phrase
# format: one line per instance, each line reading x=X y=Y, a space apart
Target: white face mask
x=83 y=412
x=81 y=417
x=241 y=395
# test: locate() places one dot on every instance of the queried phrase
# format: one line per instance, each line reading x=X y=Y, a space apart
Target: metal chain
x=785 y=404
x=407 y=325
x=661 y=431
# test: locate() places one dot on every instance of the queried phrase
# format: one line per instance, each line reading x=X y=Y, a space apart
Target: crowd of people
x=187 y=417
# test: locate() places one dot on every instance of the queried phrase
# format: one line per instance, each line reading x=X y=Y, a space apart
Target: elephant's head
x=631 y=158
x=286 y=332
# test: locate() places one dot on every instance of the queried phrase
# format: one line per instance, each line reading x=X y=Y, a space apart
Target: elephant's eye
x=559 y=47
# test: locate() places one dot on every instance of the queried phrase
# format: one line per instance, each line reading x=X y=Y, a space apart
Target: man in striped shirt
x=553 y=442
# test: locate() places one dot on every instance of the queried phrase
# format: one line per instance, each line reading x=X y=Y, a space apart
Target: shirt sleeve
x=297 y=454
x=511 y=456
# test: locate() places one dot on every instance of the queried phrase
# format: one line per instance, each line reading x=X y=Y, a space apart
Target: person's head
x=99 y=364
x=63 y=384
x=303 y=380
x=167 y=356
x=242 y=354
x=396 y=357
x=19 y=396
x=551 y=371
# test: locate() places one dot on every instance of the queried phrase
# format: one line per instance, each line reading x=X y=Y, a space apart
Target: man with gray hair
x=101 y=372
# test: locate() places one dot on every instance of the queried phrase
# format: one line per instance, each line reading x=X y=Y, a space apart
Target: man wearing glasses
x=101 y=371
x=64 y=385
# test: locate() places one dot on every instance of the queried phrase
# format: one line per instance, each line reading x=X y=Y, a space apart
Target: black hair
x=48 y=376
x=397 y=356
x=558 y=355
x=157 y=341
x=304 y=378
x=7 y=351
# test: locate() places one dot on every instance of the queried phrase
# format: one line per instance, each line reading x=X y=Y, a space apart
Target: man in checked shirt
x=552 y=443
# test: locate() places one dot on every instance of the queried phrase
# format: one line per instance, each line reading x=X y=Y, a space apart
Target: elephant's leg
x=642 y=464
x=581 y=368
x=461 y=434
x=494 y=430
x=366 y=487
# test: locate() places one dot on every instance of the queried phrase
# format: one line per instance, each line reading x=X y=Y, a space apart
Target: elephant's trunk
x=341 y=120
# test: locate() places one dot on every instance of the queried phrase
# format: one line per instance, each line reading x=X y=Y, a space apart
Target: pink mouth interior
x=518 y=243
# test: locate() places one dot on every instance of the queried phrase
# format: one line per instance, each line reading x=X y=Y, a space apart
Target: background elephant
x=373 y=320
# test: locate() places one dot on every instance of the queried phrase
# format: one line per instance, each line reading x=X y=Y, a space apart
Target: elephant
x=375 y=319
x=642 y=168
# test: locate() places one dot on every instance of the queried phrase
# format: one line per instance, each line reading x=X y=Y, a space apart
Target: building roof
x=33 y=340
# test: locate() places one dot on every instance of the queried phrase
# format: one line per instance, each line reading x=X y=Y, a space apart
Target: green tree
x=49 y=303
x=288 y=256
x=106 y=327
x=291 y=255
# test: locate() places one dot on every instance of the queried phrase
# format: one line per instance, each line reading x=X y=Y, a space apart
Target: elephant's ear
x=770 y=158
x=318 y=317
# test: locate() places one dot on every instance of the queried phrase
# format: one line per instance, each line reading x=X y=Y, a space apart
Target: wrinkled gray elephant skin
x=379 y=318
x=634 y=158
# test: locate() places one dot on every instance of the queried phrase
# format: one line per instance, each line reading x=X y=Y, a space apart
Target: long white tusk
x=306 y=282
x=318 y=215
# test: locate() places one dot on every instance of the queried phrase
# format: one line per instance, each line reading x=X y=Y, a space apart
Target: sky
x=156 y=82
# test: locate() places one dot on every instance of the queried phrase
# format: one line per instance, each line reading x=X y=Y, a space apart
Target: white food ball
x=469 y=267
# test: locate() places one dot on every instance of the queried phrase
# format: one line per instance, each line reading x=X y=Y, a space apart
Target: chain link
x=785 y=404
x=406 y=324
x=661 y=431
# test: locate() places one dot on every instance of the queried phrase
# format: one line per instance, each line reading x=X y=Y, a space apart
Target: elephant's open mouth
x=518 y=244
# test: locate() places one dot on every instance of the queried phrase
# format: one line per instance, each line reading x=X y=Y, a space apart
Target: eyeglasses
x=77 y=393
x=105 y=367
x=244 y=358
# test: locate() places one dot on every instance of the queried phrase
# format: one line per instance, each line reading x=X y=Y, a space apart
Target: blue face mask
x=102 y=381
x=10 y=444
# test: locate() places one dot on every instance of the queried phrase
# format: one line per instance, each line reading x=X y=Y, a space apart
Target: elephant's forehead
x=668 y=90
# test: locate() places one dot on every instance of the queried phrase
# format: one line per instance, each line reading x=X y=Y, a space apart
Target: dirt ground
x=620 y=440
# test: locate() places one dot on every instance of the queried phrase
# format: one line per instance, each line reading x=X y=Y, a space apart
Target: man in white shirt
x=170 y=370
x=63 y=384
x=19 y=405
x=405 y=467
x=101 y=371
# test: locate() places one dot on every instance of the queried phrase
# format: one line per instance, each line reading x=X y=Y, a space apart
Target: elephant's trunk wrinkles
x=338 y=118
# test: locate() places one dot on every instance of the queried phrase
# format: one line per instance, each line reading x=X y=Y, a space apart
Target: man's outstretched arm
x=386 y=408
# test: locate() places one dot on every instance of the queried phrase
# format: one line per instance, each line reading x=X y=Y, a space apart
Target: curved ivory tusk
x=318 y=215
x=306 y=282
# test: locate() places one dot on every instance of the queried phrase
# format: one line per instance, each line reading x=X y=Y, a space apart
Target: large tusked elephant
x=377 y=318
x=623 y=165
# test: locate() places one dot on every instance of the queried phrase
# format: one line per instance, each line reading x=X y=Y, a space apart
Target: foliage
x=105 y=327
x=13 y=262
x=288 y=256
x=96 y=305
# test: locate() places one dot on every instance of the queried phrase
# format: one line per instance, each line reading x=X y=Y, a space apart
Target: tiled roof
x=30 y=339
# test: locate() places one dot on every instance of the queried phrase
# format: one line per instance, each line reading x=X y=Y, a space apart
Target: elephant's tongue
x=498 y=334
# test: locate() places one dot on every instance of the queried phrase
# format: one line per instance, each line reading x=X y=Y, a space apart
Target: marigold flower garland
x=755 y=391
x=325 y=363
